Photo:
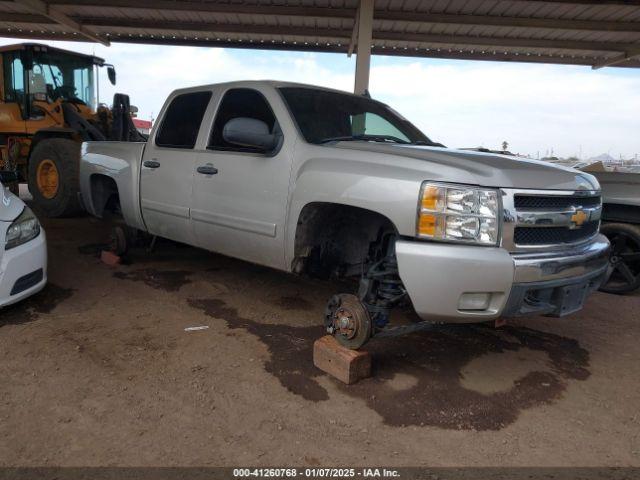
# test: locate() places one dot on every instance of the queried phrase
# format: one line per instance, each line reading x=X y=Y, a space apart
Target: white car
x=23 y=248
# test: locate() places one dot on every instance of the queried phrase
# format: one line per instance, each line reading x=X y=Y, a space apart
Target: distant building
x=604 y=158
x=143 y=126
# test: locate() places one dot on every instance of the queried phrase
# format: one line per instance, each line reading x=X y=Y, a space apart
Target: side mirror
x=133 y=110
x=250 y=132
x=8 y=176
x=111 y=73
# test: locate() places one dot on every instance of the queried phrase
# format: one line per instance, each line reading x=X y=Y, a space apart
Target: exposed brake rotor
x=348 y=320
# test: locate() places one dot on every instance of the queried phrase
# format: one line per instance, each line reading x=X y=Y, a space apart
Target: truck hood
x=484 y=169
x=10 y=205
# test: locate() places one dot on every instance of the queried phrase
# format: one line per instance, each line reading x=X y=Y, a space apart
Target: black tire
x=123 y=238
x=348 y=306
x=119 y=240
x=624 y=259
x=65 y=154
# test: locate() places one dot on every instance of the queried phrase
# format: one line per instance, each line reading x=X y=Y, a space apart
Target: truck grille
x=538 y=219
x=536 y=202
x=554 y=235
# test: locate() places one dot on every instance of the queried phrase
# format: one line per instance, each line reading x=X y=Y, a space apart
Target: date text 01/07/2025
x=315 y=473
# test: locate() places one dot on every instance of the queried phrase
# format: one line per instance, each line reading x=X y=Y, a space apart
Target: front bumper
x=438 y=276
x=23 y=270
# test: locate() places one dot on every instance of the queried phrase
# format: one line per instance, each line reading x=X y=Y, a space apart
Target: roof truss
x=53 y=14
x=611 y=40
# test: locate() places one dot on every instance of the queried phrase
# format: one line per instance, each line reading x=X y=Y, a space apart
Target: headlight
x=458 y=213
x=26 y=227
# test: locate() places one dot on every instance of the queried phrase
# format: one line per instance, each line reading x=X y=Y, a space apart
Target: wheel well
x=334 y=239
x=104 y=195
x=614 y=212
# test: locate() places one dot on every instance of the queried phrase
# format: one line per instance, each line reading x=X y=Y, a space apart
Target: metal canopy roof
x=582 y=32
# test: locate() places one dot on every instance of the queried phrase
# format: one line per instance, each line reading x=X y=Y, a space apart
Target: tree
x=505 y=146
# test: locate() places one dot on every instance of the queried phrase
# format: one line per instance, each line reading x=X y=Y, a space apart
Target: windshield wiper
x=428 y=144
x=365 y=138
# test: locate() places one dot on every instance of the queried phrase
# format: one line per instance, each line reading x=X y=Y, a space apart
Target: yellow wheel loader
x=48 y=99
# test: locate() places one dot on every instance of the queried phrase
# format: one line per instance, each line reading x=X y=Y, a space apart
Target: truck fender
x=382 y=189
x=108 y=169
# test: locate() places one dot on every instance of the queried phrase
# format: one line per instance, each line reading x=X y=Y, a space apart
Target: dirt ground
x=98 y=370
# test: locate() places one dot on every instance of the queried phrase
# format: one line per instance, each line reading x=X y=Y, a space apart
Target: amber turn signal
x=432 y=197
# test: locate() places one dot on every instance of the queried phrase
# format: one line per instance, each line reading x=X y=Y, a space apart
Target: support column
x=364 y=23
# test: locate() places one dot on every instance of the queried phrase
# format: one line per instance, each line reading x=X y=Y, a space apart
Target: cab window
x=240 y=102
x=181 y=122
x=13 y=78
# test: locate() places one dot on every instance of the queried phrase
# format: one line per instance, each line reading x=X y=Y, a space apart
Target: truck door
x=166 y=174
x=240 y=193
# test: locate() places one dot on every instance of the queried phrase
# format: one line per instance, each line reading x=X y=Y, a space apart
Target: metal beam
x=52 y=13
x=515 y=22
x=170 y=28
x=349 y=14
x=456 y=54
x=634 y=3
x=214 y=7
x=354 y=35
x=210 y=6
x=617 y=60
x=507 y=42
x=363 y=57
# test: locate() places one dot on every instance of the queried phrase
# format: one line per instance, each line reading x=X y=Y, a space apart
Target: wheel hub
x=348 y=320
x=344 y=323
x=48 y=179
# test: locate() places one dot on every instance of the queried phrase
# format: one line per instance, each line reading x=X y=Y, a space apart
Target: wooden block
x=346 y=365
x=110 y=258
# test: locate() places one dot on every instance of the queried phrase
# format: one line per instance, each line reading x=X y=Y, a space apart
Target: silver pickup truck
x=323 y=183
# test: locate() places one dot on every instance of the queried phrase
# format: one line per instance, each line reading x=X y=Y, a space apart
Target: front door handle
x=207 y=170
x=151 y=163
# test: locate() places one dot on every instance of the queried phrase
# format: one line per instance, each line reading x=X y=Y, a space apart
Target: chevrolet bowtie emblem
x=578 y=218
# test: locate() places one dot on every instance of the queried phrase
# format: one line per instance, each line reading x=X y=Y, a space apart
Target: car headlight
x=457 y=213
x=26 y=227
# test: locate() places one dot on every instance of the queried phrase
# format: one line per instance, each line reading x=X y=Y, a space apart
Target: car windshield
x=64 y=76
x=324 y=116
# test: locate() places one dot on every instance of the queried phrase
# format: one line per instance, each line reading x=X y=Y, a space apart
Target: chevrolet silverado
x=324 y=183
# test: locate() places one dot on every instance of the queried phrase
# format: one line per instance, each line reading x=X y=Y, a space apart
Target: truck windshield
x=324 y=116
x=66 y=77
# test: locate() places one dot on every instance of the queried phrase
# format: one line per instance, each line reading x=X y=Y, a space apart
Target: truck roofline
x=43 y=47
x=258 y=83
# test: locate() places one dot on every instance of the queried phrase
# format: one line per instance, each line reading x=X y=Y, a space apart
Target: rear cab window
x=181 y=122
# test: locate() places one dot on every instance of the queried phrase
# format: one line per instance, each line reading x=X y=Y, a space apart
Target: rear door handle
x=207 y=170
x=151 y=163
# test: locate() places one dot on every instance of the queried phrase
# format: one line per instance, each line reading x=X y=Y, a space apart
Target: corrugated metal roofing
x=584 y=32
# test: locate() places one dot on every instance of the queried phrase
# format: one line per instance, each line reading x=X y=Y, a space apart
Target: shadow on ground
x=31 y=308
x=167 y=280
x=418 y=379
x=456 y=377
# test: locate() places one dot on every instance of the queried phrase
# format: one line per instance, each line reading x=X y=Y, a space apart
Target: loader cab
x=34 y=76
x=48 y=105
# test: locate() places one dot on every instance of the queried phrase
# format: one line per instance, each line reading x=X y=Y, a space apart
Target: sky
x=537 y=109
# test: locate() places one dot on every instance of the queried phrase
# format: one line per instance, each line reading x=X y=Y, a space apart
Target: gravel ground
x=98 y=370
